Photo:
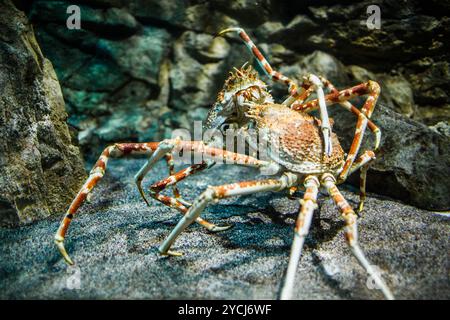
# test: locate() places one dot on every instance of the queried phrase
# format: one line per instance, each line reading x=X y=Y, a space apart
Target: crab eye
x=225 y=127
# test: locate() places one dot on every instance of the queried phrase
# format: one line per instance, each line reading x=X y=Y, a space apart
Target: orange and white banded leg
x=163 y=150
x=351 y=233
x=139 y=177
x=366 y=112
x=171 y=166
x=97 y=172
x=308 y=205
x=276 y=76
x=362 y=163
x=208 y=153
x=215 y=193
x=158 y=187
x=368 y=156
x=370 y=88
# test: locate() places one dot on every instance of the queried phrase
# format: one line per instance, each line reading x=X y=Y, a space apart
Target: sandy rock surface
x=114 y=242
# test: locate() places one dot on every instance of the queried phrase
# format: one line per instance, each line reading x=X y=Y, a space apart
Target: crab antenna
x=243 y=66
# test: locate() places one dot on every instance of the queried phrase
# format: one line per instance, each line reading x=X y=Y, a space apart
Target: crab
x=302 y=152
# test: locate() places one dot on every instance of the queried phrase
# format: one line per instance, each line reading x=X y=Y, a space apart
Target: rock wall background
x=41 y=169
x=138 y=68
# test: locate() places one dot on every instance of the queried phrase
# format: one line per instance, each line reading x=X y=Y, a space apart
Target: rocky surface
x=413 y=162
x=40 y=167
x=137 y=69
x=114 y=242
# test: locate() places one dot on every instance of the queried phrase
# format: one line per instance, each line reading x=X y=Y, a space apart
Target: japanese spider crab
x=309 y=154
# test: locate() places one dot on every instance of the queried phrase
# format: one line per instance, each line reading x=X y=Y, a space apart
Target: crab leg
x=164 y=150
x=362 y=163
x=373 y=90
x=219 y=192
x=302 y=225
x=97 y=172
x=342 y=97
x=274 y=75
x=159 y=149
x=351 y=232
x=158 y=187
x=294 y=91
x=171 y=165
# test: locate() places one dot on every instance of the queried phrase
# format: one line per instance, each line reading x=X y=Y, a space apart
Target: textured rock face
x=40 y=168
x=413 y=162
x=139 y=68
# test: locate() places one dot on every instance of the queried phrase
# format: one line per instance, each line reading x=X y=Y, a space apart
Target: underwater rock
x=194 y=84
x=199 y=16
x=399 y=91
x=413 y=162
x=141 y=55
x=431 y=115
x=40 y=167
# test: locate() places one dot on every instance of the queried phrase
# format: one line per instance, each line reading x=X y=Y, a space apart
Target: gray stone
x=413 y=162
x=398 y=90
x=194 y=84
x=41 y=168
x=200 y=17
x=141 y=55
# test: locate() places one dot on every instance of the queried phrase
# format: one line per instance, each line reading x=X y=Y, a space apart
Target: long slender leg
x=274 y=75
x=159 y=186
x=351 y=232
x=370 y=88
x=360 y=127
x=373 y=90
x=309 y=204
x=367 y=157
x=362 y=163
x=161 y=152
x=97 y=172
x=159 y=149
x=325 y=121
x=139 y=177
x=171 y=167
x=219 y=192
x=196 y=147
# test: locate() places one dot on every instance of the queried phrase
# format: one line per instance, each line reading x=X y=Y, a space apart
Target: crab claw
x=60 y=244
x=171 y=253
x=360 y=207
x=221 y=33
x=221 y=228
